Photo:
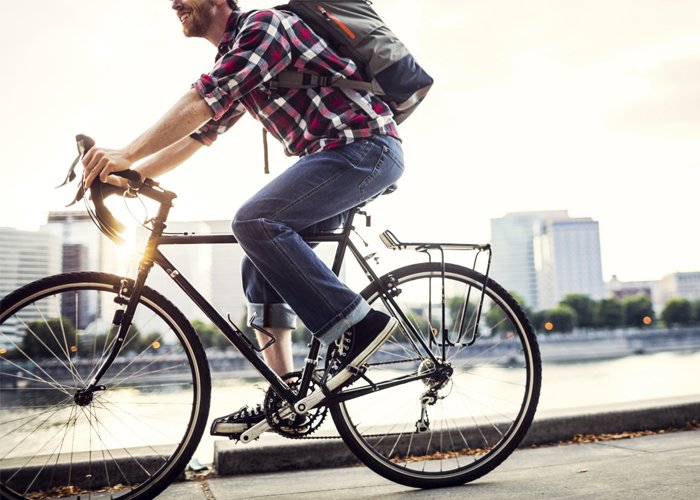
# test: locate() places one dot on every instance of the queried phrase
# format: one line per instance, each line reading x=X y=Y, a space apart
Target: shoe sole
x=222 y=428
x=346 y=374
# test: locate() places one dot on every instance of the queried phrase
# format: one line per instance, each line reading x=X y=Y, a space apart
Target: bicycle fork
x=128 y=299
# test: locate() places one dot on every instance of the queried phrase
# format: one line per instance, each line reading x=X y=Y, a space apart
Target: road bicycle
x=444 y=401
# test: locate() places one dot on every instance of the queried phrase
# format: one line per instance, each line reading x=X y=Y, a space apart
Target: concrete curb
x=284 y=455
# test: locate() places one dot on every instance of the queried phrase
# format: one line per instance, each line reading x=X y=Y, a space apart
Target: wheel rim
x=484 y=395
x=56 y=439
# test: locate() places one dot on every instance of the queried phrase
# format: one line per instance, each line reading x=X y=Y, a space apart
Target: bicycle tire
x=481 y=412
x=133 y=437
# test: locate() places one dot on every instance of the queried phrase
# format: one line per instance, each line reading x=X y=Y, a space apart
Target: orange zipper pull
x=341 y=24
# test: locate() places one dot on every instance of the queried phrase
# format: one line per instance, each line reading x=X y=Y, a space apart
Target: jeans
x=281 y=272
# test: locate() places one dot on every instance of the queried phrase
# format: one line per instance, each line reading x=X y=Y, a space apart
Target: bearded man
x=348 y=151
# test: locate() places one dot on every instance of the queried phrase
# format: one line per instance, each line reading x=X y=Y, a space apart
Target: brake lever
x=71 y=172
x=84 y=144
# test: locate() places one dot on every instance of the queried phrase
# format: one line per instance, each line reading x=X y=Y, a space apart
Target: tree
x=609 y=314
x=637 y=310
x=52 y=338
x=456 y=313
x=584 y=307
x=560 y=319
x=696 y=311
x=538 y=319
x=678 y=312
x=210 y=335
x=144 y=342
x=496 y=320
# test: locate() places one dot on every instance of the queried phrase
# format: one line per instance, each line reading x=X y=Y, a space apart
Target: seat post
x=344 y=240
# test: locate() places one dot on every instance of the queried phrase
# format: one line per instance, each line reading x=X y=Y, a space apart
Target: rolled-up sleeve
x=208 y=132
x=259 y=52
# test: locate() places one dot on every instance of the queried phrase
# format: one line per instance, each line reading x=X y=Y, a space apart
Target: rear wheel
x=132 y=436
x=470 y=405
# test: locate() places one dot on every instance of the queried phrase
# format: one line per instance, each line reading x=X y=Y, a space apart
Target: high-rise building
x=513 y=263
x=567 y=260
x=544 y=255
x=85 y=248
x=26 y=256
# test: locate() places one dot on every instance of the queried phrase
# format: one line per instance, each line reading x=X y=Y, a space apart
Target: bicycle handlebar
x=99 y=191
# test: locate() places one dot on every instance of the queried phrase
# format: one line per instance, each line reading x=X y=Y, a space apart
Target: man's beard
x=200 y=20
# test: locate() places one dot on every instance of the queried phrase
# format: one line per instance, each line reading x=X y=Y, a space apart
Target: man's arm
x=168 y=158
x=186 y=116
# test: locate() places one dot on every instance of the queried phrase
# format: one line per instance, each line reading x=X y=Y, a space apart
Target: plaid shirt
x=257 y=46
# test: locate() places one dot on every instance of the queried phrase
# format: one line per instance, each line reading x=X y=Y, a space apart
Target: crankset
x=287 y=423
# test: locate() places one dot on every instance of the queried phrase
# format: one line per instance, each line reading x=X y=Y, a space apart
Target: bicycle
x=443 y=402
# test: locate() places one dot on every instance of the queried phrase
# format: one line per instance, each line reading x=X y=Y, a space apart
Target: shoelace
x=342 y=347
x=343 y=344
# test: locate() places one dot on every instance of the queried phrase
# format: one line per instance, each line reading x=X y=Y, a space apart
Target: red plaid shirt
x=257 y=46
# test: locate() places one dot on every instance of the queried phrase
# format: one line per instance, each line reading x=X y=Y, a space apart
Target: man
x=349 y=152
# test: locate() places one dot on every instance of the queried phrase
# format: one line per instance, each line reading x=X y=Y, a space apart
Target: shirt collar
x=229 y=34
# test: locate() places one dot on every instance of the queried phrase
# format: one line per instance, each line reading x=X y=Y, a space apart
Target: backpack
x=354 y=30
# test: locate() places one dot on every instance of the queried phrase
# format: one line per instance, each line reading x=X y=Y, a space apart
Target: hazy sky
x=586 y=105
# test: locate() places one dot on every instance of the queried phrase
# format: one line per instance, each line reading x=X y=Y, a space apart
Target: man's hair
x=233 y=4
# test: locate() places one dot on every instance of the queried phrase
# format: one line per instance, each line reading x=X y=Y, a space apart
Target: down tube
x=276 y=382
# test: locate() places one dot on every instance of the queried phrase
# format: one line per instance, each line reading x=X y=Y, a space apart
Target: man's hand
x=102 y=162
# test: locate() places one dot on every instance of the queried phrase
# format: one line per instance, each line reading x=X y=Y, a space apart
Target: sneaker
x=358 y=344
x=238 y=422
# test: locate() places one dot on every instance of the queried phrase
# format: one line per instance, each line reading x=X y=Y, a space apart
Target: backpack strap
x=307 y=80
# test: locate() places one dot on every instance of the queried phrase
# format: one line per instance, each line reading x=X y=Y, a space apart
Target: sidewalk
x=658 y=466
x=663 y=465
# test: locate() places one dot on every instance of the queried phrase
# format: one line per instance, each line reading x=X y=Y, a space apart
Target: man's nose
x=176 y=4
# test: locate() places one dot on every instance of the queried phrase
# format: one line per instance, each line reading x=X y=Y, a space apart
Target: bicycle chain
x=309 y=437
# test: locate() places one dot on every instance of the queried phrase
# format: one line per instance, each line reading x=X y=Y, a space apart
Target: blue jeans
x=281 y=274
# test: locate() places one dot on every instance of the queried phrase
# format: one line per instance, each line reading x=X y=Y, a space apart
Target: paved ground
x=658 y=466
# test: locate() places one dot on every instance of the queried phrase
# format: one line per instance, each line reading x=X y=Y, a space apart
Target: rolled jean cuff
x=272 y=316
x=356 y=314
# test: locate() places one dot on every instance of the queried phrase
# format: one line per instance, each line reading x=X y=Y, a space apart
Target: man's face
x=195 y=16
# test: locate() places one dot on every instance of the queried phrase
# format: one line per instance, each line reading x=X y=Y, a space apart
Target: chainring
x=293 y=426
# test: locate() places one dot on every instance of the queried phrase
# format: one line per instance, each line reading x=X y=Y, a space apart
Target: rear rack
x=393 y=243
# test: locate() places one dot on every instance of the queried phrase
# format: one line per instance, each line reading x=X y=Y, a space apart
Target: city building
x=621 y=289
x=681 y=286
x=542 y=256
x=513 y=263
x=26 y=256
x=85 y=248
x=567 y=260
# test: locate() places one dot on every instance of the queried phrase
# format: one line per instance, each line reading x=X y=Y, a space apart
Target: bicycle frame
x=153 y=255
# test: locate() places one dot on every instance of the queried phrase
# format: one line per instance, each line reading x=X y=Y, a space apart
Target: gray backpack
x=354 y=30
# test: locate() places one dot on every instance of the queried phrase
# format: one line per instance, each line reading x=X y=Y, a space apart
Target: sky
x=590 y=106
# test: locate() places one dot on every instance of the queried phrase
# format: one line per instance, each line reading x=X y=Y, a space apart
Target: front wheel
x=469 y=406
x=134 y=434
